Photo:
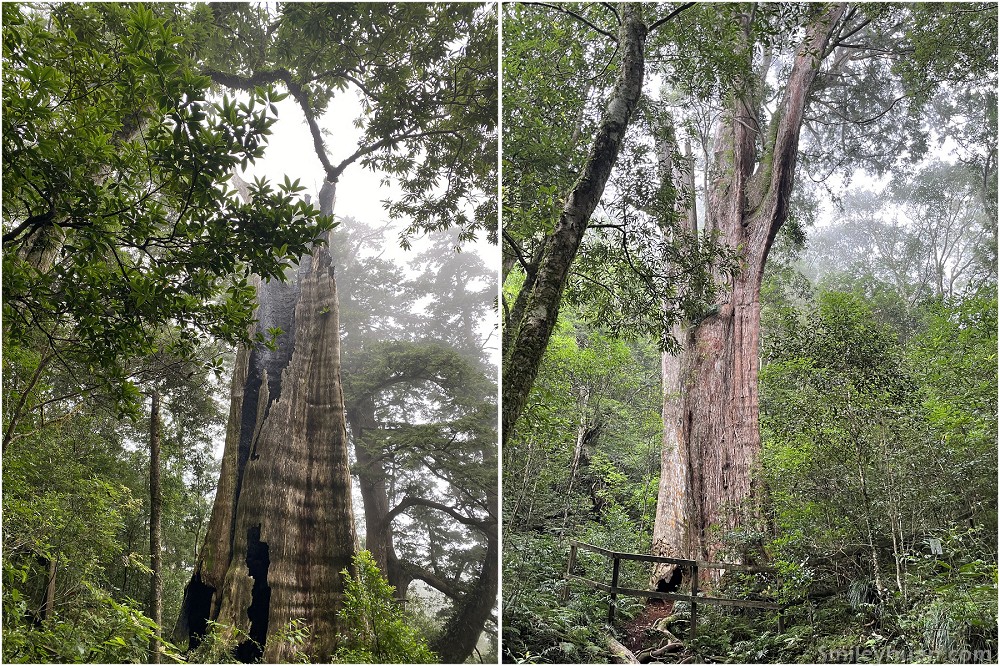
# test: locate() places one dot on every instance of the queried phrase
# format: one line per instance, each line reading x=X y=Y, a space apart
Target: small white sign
x=935 y=545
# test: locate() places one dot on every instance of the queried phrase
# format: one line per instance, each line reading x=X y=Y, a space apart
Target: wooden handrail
x=673 y=596
x=691 y=565
x=731 y=566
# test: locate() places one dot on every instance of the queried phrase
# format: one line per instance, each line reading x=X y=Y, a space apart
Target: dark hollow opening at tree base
x=671 y=584
x=199 y=609
x=258 y=561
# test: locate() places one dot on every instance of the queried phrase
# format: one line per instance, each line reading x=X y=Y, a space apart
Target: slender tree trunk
x=22 y=401
x=282 y=527
x=869 y=525
x=537 y=307
x=748 y=202
x=49 y=605
x=155 y=510
x=584 y=432
x=375 y=496
x=526 y=476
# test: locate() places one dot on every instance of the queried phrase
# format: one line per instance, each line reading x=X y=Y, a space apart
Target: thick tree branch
x=670 y=16
x=776 y=182
x=445 y=587
x=408 y=502
x=284 y=76
x=32 y=224
x=579 y=18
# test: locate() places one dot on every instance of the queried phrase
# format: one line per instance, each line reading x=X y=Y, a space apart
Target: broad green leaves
x=117 y=220
x=376 y=631
x=426 y=77
x=881 y=445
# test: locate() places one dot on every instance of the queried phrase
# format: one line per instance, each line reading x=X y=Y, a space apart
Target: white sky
x=290 y=152
x=360 y=191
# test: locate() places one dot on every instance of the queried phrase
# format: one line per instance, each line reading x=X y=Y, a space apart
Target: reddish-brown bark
x=747 y=203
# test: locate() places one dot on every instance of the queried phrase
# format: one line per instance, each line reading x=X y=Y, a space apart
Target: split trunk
x=711 y=407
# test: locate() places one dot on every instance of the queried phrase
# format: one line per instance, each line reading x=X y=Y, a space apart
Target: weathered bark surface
x=671 y=529
x=282 y=526
x=537 y=307
x=155 y=511
x=672 y=535
x=719 y=408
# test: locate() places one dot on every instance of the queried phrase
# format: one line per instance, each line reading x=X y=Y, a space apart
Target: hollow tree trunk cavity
x=282 y=526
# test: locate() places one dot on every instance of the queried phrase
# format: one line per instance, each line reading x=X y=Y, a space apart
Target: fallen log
x=621 y=654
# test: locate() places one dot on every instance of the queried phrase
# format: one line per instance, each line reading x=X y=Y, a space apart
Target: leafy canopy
x=117 y=219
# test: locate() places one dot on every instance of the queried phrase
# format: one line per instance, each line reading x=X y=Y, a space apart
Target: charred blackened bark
x=747 y=203
x=538 y=308
x=282 y=526
x=258 y=561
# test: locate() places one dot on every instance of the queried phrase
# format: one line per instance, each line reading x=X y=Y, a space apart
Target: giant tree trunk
x=672 y=535
x=718 y=415
x=537 y=306
x=282 y=526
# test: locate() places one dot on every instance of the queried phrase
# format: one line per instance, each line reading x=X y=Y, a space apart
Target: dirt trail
x=636 y=638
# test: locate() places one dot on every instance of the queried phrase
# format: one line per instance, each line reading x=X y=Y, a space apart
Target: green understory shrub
x=376 y=627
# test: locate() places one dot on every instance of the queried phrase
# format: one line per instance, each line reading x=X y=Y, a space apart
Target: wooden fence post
x=614 y=588
x=694 y=604
x=569 y=570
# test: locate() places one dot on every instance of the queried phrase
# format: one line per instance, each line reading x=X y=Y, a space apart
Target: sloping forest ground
x=879 y=418
x=76 y=482
x=833 y=165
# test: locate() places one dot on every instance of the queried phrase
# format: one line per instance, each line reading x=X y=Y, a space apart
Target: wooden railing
x=691 y=573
